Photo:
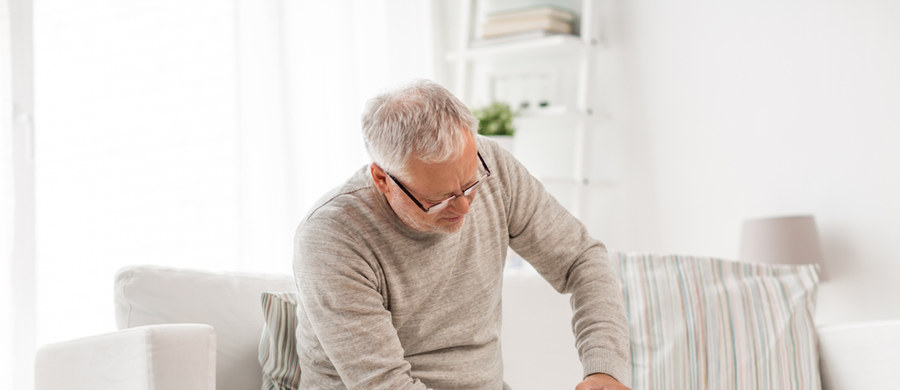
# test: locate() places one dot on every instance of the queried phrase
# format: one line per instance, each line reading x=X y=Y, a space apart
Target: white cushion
x=147 y=295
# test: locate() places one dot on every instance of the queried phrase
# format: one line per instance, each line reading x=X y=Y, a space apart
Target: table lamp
x=782 y=240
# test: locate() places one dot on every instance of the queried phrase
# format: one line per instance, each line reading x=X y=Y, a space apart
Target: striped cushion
x=703 y=323
x=277 y=346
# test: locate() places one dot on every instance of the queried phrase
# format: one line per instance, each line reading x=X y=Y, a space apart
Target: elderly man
x=399 y=269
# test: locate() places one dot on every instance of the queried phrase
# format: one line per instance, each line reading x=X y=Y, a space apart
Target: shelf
x=552 y=111
x=502 y=47
x=562 y=143
x=558 y=111
x=592 y=182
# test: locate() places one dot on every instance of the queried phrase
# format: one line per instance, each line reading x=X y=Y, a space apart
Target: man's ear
x=380 y=178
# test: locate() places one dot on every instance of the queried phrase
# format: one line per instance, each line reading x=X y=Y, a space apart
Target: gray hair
x=421 y=119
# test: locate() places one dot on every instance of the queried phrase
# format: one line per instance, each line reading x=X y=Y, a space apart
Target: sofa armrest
x=860 y=356
x=156 y=357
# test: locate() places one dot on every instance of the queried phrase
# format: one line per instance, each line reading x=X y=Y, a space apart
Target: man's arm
x=346 y=314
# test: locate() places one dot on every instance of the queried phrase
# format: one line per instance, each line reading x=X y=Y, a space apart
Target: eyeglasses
x=444 y=203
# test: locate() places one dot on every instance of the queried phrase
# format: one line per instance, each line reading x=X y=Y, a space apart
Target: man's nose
x=460 y=204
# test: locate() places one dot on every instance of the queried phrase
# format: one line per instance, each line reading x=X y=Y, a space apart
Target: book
x=511 y=38
x=543 y=24
x=542 y=12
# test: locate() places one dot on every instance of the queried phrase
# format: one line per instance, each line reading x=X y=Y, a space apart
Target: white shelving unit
x=561 y=120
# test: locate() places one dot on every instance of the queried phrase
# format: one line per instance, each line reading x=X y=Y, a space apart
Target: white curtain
x=7 y=336
x=307 y=69
x=339 y=54
x=197 y=134
x=17 y=280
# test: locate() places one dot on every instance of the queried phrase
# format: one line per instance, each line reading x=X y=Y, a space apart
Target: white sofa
x=188 y=329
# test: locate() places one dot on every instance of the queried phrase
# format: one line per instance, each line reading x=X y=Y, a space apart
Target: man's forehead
x=444 y=178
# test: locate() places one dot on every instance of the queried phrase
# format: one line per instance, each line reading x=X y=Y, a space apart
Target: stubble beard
x=423 y=226
x=417 y=220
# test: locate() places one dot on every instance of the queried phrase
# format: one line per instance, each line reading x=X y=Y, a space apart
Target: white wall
x=745 y=109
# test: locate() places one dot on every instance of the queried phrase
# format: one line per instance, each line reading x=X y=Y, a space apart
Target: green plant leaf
x=495 y=119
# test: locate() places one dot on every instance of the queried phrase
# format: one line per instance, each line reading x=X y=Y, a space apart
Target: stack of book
x=528 y=23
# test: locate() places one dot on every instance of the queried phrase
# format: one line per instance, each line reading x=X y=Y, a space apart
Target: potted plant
x=496 y=121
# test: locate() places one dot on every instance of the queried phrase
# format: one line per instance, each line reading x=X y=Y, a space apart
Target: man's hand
x=600 y=382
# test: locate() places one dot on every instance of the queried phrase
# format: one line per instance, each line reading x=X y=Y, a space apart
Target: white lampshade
x=782 y=240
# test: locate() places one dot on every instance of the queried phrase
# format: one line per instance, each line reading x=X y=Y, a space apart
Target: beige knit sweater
x=386 y=307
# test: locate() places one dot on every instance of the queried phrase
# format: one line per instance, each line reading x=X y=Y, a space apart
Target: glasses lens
x=443 y=204
x=440 y=206
x=471 y=189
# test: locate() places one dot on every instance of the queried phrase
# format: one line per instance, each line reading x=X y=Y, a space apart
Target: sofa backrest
x=537 y=341
x=230 y=302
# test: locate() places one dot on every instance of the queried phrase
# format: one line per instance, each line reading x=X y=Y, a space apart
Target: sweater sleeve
x=559 y=247
x=345 y=312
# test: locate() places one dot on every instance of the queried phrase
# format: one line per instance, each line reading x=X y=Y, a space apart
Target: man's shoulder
x=341 y=203
x=497 y=156
x=488 y=147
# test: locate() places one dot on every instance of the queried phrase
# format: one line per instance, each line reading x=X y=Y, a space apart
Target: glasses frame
x=443 y=204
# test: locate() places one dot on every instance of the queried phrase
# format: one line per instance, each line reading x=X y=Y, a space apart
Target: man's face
x=430 y=184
